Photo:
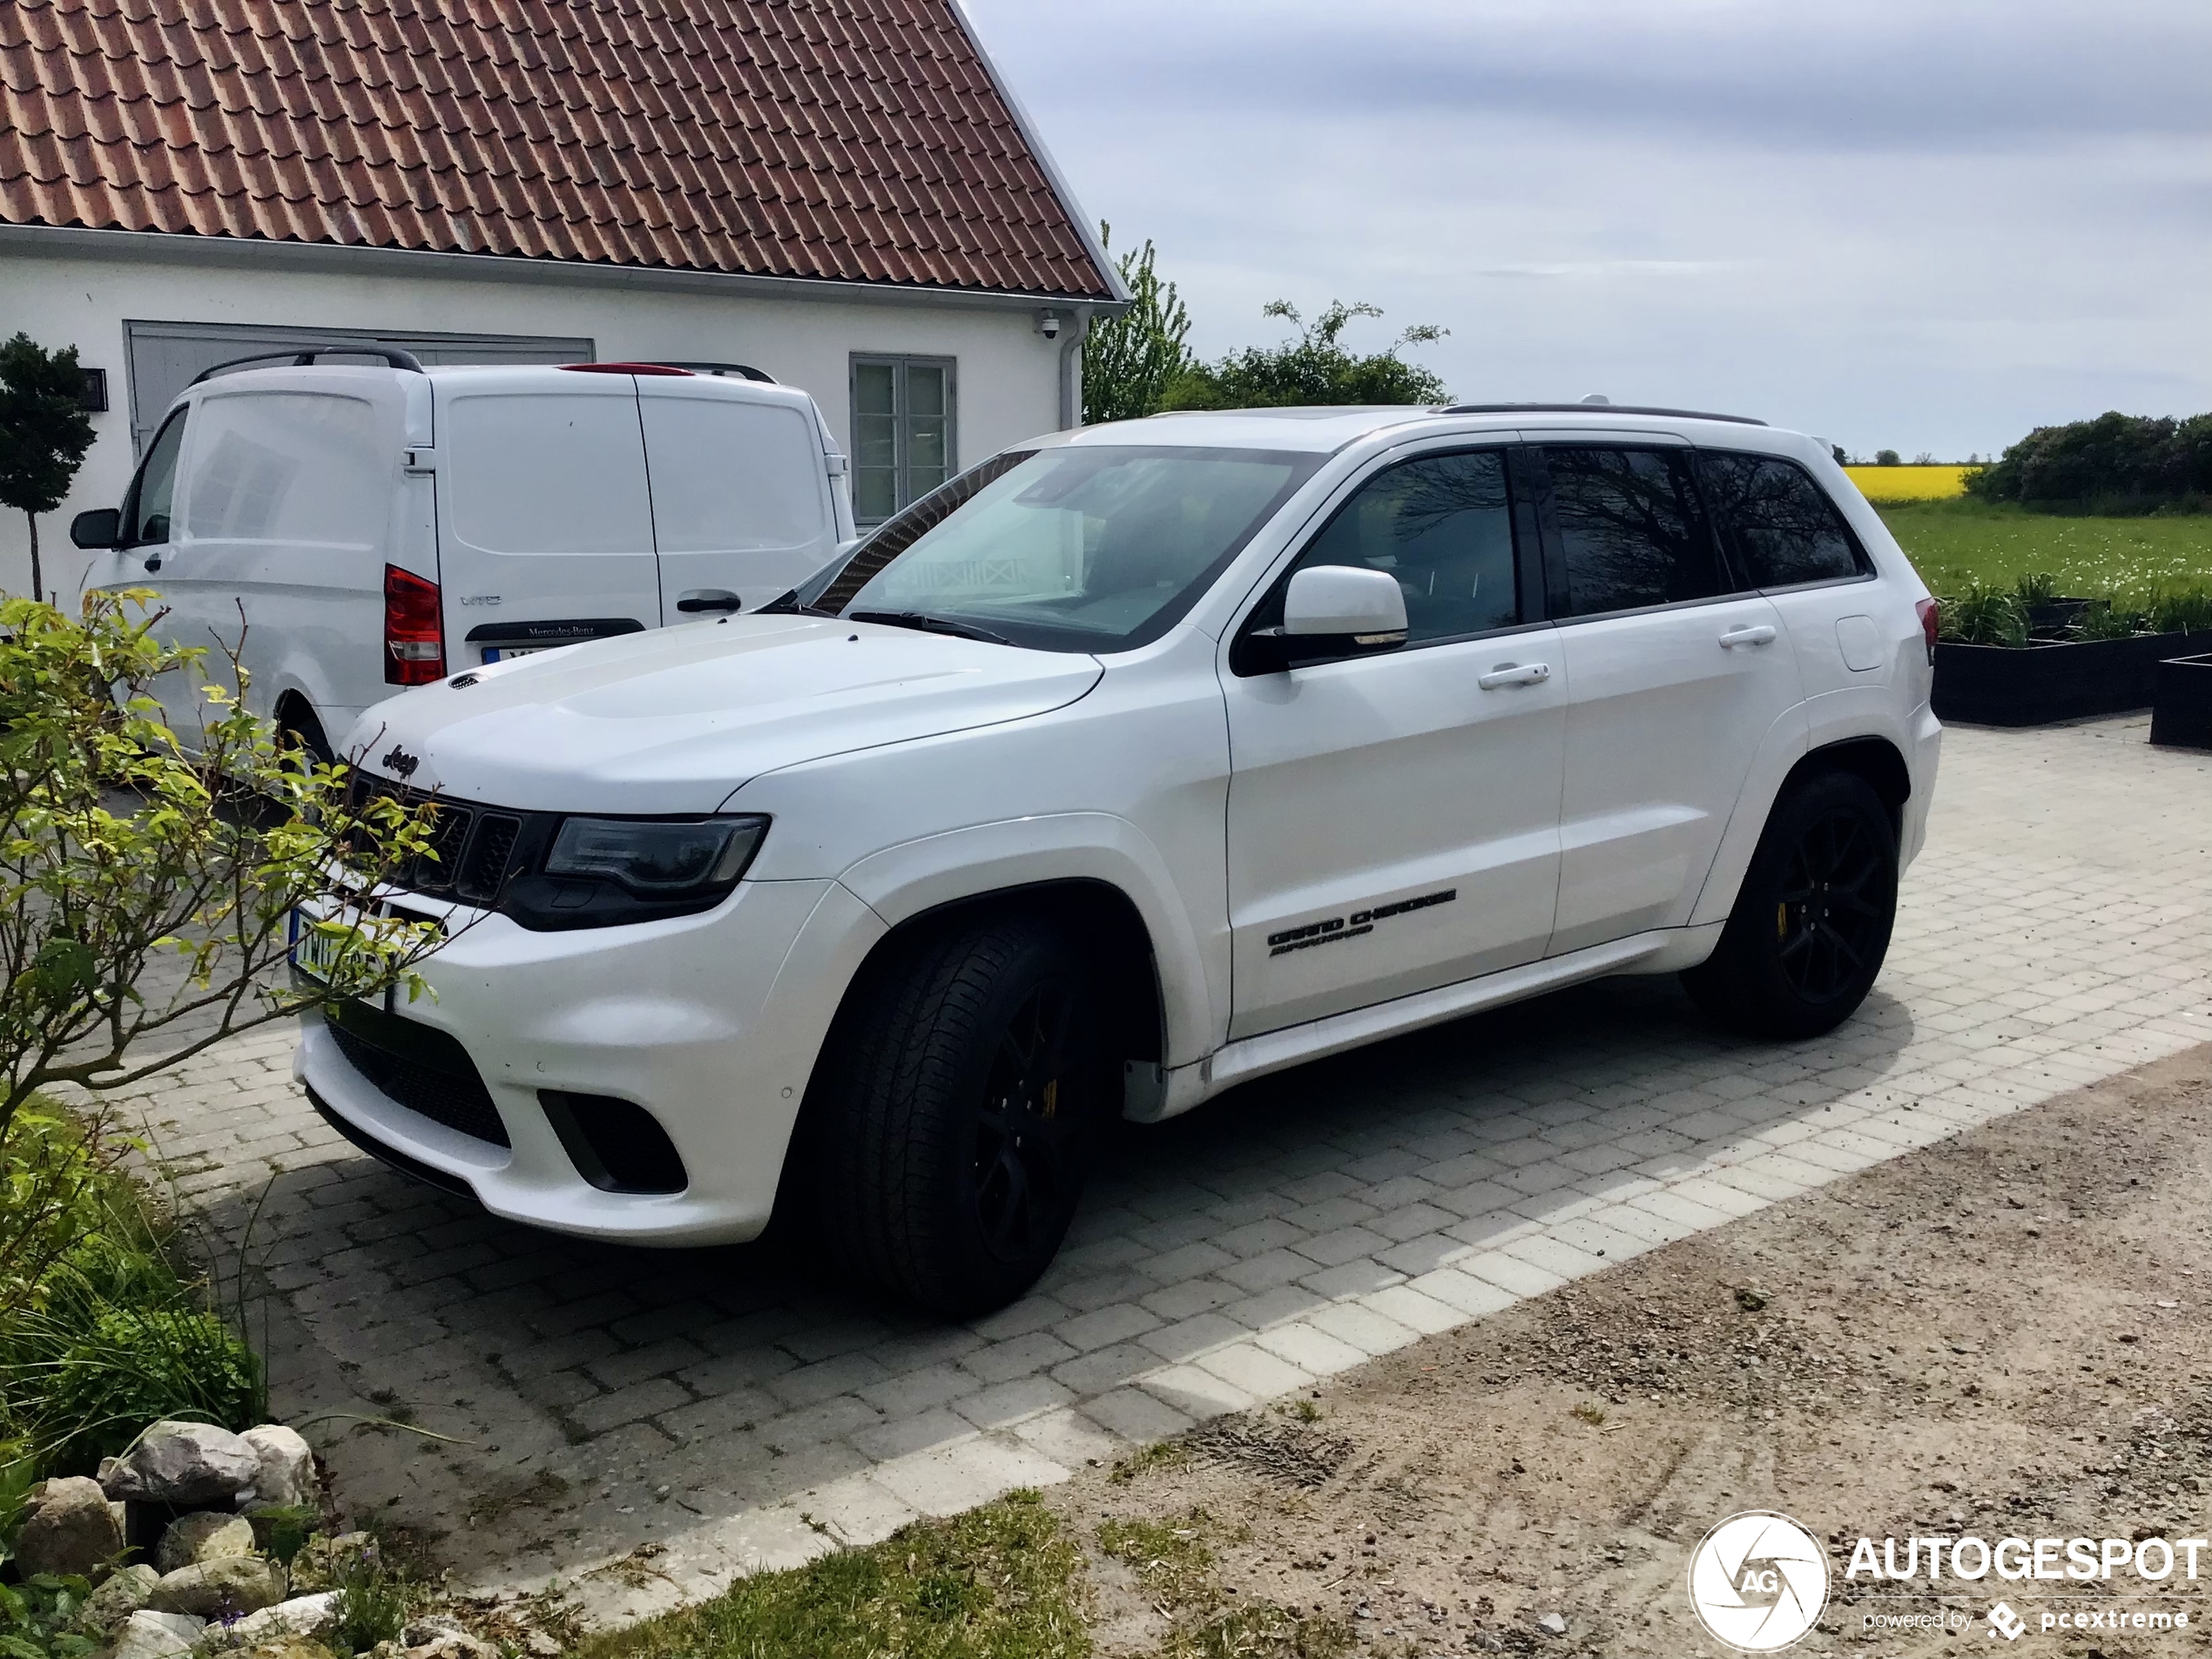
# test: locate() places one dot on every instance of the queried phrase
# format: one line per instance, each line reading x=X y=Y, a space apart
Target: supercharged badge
x=1329 y=932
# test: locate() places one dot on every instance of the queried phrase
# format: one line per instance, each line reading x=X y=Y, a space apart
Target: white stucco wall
x=1008 y=374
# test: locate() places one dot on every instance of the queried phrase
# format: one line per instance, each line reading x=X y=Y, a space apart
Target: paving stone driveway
x=735 y=1410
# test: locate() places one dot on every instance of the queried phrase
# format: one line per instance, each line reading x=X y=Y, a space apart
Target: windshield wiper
x=790 y=605
x=929 y=624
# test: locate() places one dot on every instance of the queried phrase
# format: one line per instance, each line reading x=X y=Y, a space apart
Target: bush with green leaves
x=2116 y=462
x=1315 y=369
x=1131 y=360
x=37 y=1618
x=1985 y=617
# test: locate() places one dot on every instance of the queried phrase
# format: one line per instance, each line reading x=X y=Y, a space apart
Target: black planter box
x=2037 y=682
x=2180 y=714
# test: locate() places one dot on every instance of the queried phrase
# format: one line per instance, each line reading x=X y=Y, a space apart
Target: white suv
x=1130 y=764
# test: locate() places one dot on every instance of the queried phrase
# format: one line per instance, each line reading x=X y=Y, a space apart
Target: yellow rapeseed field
x=1909 y=483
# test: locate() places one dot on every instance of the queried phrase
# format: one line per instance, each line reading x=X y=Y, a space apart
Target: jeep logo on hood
x=400 y=762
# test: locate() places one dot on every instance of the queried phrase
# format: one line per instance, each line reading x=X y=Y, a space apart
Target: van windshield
x=1082 y=549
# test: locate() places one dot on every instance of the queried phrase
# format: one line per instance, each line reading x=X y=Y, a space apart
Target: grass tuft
x=999 y=1582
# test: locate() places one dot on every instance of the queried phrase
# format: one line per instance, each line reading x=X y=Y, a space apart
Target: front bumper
x=711 y=1022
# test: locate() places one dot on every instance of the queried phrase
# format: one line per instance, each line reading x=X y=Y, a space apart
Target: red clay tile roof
x=856 y=140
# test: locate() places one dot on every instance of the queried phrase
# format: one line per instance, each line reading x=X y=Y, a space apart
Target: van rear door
x=743 y=509
x=545 y=526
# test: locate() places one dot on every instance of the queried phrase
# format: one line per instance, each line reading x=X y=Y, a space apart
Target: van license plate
x=312 y=953
x=501 y=653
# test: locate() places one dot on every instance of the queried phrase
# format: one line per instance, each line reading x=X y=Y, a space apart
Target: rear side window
x=1443 y=526
x=1779 y=526
x=553 y=473
x=287 y=467
x=730 y=476
x=1629 y=530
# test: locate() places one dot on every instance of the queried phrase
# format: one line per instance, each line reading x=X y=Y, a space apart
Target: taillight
x=414 y=639
x=1931 y=624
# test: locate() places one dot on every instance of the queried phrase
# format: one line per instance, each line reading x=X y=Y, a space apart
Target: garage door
x=165 y=357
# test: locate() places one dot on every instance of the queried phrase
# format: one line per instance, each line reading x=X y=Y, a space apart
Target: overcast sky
x=1925 y=225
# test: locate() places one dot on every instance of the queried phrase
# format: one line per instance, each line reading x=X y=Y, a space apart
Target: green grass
x=999 y=1582
x=1956 y=544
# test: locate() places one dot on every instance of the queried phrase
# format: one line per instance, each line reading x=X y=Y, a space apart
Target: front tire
x=959 y=1114
x=1811 y=924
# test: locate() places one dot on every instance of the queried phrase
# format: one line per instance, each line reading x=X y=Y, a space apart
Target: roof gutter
x=165 y=247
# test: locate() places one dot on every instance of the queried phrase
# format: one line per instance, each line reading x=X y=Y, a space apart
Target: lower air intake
x=617 y=1145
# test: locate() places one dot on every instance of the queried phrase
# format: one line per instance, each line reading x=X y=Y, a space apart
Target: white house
x=842 y=193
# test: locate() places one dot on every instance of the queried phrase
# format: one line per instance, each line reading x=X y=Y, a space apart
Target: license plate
x=312 y=953
x=502 y=654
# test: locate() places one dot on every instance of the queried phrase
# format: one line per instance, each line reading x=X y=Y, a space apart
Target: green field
x=1958 y=543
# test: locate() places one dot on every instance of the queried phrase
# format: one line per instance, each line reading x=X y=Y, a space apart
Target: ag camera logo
x=1758 y=1582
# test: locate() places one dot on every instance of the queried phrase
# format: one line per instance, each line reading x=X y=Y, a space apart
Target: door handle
x=1514 y=674
x=708 y=599
x=1758 y=634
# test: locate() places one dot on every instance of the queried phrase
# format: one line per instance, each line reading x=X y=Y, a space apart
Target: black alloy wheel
x=946 y=1138
x=1833 y=914
x=1812 y=920
x=1023 y=1145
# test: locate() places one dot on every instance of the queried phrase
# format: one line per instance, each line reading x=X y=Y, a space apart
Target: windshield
x=1082 y=549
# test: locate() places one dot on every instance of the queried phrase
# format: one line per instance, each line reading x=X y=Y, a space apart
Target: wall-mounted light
x=93 y=399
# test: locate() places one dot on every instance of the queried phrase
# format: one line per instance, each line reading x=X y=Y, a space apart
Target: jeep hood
x=674 y=720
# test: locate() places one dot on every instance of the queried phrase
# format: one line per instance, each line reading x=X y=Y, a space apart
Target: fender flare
x=902 y=882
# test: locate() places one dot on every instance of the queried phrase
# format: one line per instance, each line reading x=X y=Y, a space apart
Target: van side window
x=903 y=432
x=147 y=519
x=291 y=468
x=1629 y=530
x=1443 y=526
x=1779 y=527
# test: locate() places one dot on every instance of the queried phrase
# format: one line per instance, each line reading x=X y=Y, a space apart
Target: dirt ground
x=2002 y=1335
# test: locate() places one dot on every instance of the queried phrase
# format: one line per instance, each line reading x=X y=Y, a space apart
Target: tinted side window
x=1629 y=530
x=1779 y=527
x=1443 y=526
x=147 y=520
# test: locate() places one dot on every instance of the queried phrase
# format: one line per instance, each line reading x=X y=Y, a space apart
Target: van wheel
x=298 y=727
x=1811 y=924
x=960 y=1114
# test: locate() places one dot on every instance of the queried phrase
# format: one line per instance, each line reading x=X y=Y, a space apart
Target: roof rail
x=743 y=371
x=1596 y=408
x=391 y=354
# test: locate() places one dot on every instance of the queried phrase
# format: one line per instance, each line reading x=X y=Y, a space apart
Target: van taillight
x=414 y=641
x=1931 y=624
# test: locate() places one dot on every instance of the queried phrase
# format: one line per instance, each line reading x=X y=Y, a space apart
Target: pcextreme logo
x=1758 y=1582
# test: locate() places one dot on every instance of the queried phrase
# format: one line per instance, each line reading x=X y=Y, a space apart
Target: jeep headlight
x=654 y=858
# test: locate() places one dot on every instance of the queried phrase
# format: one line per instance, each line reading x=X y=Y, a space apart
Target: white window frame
x=903 y=492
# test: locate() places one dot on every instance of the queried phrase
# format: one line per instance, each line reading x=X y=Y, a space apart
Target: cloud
x=1923 y=226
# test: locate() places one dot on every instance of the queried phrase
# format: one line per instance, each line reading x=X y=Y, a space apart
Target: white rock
x=303 y=1615
x=287 y=1472
x=184 y=1464
x=1553 y=1624
x=147 y=1634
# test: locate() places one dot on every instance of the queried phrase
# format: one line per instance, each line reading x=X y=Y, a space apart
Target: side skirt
x=1158 y=1095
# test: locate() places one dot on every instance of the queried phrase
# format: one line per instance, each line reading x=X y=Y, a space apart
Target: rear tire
x=1811 y=923
x=959 y=1112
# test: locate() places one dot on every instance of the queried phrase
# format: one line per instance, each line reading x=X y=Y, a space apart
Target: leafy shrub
x=36 y=1616
x=1314 y=370
x=109 y=1335
x=2122 y=462
x=1985 y=617
x=2107 y=619
x=2188 y=611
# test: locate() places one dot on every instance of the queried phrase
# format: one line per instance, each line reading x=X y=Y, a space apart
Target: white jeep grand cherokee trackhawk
x=1132 y=764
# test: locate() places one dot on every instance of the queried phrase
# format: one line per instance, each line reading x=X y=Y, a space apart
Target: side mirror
x=101 y=528
x=1334 y=611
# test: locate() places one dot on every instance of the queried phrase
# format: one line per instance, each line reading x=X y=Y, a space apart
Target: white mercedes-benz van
x=353 y=528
